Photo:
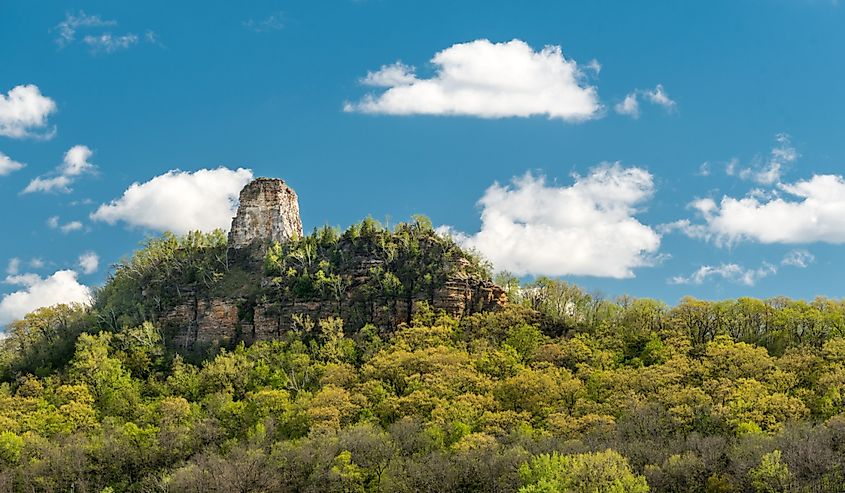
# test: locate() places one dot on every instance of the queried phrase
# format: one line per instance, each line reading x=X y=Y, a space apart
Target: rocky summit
x=268 y=212
x=275 y=277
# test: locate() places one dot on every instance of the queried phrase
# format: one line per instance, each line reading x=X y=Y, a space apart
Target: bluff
x=276 y=279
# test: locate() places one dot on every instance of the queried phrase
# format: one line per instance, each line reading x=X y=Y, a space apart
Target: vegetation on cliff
x=561 y=391
x=370 y=269
x=357 y=274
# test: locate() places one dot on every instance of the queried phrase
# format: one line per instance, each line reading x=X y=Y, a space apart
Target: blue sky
x=749 y=88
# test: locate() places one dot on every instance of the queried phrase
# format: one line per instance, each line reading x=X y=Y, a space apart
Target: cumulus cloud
x=76 y=161
x=397 y=74
x=89 y=262
x=54 y=184
x=23 y=110
x=802 y=212
x=630 y=106
x=488 y=80
x=179 y=201
x=587 y=228
x=9 y=165
x=71 y=226
x=729 y=272
x=805 y=211
x=74 y=164
x=54 y=223
x=37 y=292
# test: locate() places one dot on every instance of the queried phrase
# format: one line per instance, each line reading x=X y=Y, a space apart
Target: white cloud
x=89 y=262
x=730 y=167
x=659 y=97
x=99 y=42
x=71 y=226
x=729 y=272
x=803 y=212
x=14 y=266
x=806 y=211
x=22 y=279
x=770 y=171
x=587 y=228
x=72 y=22
x=76 y=161
x=54 y=223
x=24 y=109
x=109 y=43
x=54 y=184
x=630 y=106
x=8 y=165
x=37 y=292
x=152 y=38
x=488 y=80
x=798 y=258
x=273 y=22
x=36 y=263
x=179 y=201
x=704 y=169
x=396 y=74
x=74 y=164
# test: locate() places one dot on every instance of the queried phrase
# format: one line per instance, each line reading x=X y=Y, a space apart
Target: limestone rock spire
x=268 y=212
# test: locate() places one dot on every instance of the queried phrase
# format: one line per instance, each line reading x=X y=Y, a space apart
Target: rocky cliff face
x=459 y=294
x=266 y=307
x=268 y=213
x=199 y=320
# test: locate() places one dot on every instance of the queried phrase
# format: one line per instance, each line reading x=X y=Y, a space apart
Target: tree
x=115 y=392
x=605 y=472
x=772 y=475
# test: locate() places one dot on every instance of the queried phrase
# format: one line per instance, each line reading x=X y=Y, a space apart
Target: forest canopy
x=562 y=390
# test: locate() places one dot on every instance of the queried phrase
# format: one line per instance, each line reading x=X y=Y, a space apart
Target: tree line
x=563 y=390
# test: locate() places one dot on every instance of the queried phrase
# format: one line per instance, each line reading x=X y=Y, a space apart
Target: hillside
x=386 y=359
x=267 y=278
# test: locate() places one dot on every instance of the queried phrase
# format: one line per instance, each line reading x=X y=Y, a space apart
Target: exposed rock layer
x=268 y=212
x=199 y=320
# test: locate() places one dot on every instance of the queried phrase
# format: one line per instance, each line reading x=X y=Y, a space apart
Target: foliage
x=563 y=390
x=772 y=475
x=411 y=261
x=606 y=472
x=145 y=285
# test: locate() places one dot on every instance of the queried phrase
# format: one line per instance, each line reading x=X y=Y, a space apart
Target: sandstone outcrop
x=204 y=321
x=268 y=212
x=261 y=307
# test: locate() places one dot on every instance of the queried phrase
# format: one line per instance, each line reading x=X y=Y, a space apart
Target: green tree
x=599 y=472
x=115 y=392
x=772 y=475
